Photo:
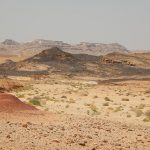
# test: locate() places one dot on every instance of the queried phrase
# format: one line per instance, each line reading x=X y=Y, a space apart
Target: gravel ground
x=45 y=131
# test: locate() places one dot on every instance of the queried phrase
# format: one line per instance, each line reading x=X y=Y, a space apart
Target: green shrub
x=67 y=106
x=147 y=113
x=128 y=115
x=20 y=95
x=93 y=107
x=35 y=101
x=118 y=109
x=147 y=119
x=138 y=112
x=141 y=106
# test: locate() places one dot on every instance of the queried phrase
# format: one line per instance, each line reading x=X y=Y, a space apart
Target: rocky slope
x=141 y=60
x=53 y=54
x=52 y=59
x=7 y=84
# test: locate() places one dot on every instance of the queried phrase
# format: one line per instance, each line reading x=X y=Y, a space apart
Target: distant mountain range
x=31 y=48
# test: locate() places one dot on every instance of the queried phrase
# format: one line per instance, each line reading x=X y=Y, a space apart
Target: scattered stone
x=56 y=141
x=105 y=141
x=25 y=125
x=83 y=143
x=8 y=136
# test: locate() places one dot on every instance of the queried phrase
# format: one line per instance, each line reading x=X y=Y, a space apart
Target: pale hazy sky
x=105 y=21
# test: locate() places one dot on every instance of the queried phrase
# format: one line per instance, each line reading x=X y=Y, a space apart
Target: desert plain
x=57 y=101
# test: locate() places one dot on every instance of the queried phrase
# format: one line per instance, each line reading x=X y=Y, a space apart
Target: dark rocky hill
x=55 y=60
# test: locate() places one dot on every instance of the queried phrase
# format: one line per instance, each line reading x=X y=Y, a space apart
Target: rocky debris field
x=69 y=132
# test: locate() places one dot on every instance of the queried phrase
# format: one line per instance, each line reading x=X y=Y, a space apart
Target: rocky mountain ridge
x=31 y=48
x=54 y=60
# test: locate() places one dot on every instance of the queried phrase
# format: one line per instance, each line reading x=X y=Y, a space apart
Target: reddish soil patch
x=11 y=103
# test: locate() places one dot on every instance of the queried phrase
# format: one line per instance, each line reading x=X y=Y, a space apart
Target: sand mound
x=11 y=103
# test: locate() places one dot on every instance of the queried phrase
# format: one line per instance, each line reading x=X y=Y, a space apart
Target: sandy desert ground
x=78 y=113
x=124 y=101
